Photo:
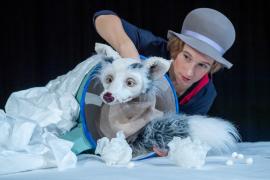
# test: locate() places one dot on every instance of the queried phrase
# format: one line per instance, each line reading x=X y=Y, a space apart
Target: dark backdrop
x=41 y=40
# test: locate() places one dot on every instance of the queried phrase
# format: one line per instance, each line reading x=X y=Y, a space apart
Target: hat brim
x=202 y=47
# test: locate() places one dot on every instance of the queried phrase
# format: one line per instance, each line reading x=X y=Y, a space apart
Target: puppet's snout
x=108 y=97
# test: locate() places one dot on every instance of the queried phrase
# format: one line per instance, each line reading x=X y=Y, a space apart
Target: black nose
x=108 y=97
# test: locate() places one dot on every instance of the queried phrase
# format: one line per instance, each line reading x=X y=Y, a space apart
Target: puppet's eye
x=109 y=79
x=130 y=82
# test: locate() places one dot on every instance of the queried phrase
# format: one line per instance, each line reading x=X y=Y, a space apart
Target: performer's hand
x=160 y=152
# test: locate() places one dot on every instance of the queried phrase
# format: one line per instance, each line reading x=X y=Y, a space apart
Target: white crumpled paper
x=24 y=145
x=55 y=103
x=187 y=153
x=33 y=119
x=115 y=151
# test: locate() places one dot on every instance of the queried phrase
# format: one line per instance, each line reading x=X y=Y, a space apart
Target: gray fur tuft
x=159 y=132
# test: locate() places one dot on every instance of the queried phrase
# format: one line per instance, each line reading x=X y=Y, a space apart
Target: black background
x=41 y=40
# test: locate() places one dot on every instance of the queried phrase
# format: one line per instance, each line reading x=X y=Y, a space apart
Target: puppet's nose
x=108 y=97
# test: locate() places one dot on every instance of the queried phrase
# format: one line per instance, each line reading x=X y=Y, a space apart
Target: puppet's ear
x=106 y=50
x=157 y=67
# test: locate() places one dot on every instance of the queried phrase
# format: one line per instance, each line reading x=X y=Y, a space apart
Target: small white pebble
x=249 y=161
x=240 y=156
x=234 y=155
x=229 y=162
x=130 y=165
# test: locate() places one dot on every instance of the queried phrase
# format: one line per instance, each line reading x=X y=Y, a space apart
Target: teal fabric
x=76 y=135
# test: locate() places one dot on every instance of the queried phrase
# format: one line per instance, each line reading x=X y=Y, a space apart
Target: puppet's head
x=124 y=79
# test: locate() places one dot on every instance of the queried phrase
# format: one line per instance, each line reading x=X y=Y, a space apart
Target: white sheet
x=90 y=167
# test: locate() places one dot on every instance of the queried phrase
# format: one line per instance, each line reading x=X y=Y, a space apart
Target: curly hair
x=176 y=45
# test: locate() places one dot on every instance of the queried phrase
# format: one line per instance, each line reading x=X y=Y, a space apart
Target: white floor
x=161 y=168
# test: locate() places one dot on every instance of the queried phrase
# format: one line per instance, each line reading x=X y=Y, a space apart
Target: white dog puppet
x=126 y=79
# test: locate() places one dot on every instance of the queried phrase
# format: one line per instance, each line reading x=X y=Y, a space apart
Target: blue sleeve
x=201 y=102
x=146 y=42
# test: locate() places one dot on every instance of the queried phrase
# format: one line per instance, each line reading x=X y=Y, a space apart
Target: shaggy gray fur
x=159 y=132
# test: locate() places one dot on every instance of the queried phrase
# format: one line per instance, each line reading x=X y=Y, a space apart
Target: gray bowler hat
x=209 y=32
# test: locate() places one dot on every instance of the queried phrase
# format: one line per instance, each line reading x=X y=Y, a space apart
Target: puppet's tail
x=219 y=134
